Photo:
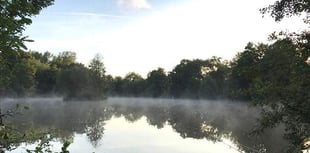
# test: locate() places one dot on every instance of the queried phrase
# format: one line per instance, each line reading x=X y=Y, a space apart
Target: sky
x=142 y=35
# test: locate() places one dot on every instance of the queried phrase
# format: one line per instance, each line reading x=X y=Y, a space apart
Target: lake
x=142 y=125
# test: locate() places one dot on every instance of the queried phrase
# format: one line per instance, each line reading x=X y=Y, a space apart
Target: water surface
x=136 y=125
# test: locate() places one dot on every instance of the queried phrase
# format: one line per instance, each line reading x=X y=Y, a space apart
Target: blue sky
x=141 y=35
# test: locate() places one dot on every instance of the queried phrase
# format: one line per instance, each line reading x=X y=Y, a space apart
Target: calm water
x=138 y=125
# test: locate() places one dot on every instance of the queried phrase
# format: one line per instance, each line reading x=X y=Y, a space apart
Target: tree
x=134 y=84
x=64 y=59
x=198 y=78
x=157 y=82
x=23 y=77
x=117 y=86
x=75 y=83
x=214 y=82
x=287 y=8
x=288 y=85
x=44 y=58
x=98 y=77
x=46 y=80
x=185 y=78
x=96 y=66
x=15 y=15
x=282 y=88
x=245 y=70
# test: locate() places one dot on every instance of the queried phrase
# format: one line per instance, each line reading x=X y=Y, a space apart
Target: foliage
x=22 y=76
x=17 y=69
x=244 y=69
x=199 y=78
x=157 y=82
x=116 y=86
x=283 y=86
x=44 y=147
x=191 y=79
x=46 y=80
x=74 y=81
x=134 y=84
x=12 y=136
x=44 y=58
x=97 y=67
x=64 y=59
x=215 y=79
x=14 y=16
x=185 y=78
x=287 y=8
x=78 y=82
x=98 y=78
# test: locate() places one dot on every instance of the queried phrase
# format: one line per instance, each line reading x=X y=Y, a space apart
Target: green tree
x=46 y=80
x=288 y=85
x=134 y=84
x=287 y=8
x=245 y=70
x=185 y=78
x=97 y=66
x=16 y=72
x=99 y=82
x=157 y=82
x=215 y=78
x=7 y=62
x=75 y=82
x=117 y=86
x=15 y=15
x=23 y=77
x=64 y=59
x=44 y=58
x=282 y=88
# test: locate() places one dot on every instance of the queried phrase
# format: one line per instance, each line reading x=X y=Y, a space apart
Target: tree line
x=258 y=71
x=45 y=74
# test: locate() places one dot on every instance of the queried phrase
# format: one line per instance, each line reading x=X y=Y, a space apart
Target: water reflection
x=213 y=121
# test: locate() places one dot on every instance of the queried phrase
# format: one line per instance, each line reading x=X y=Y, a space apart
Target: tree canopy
x=287 y=8
x=15 y=15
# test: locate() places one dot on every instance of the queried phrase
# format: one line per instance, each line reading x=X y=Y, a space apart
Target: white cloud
x=136 y=4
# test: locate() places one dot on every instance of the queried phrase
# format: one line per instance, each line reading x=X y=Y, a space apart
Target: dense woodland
x=274 y=76
x=261 y=69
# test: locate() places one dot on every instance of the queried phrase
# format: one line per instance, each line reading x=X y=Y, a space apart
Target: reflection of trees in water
x=209 y=121
x=191 y=123
x=95 y=132
x=66 y=119
x=157 y=116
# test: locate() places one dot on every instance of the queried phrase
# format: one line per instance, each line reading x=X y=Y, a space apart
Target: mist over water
x=162 y=125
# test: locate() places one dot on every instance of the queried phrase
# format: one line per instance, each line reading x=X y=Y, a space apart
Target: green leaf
x=29 y=40
x=22 y=45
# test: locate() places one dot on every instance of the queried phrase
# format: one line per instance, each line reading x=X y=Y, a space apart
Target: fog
x=198 y=119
